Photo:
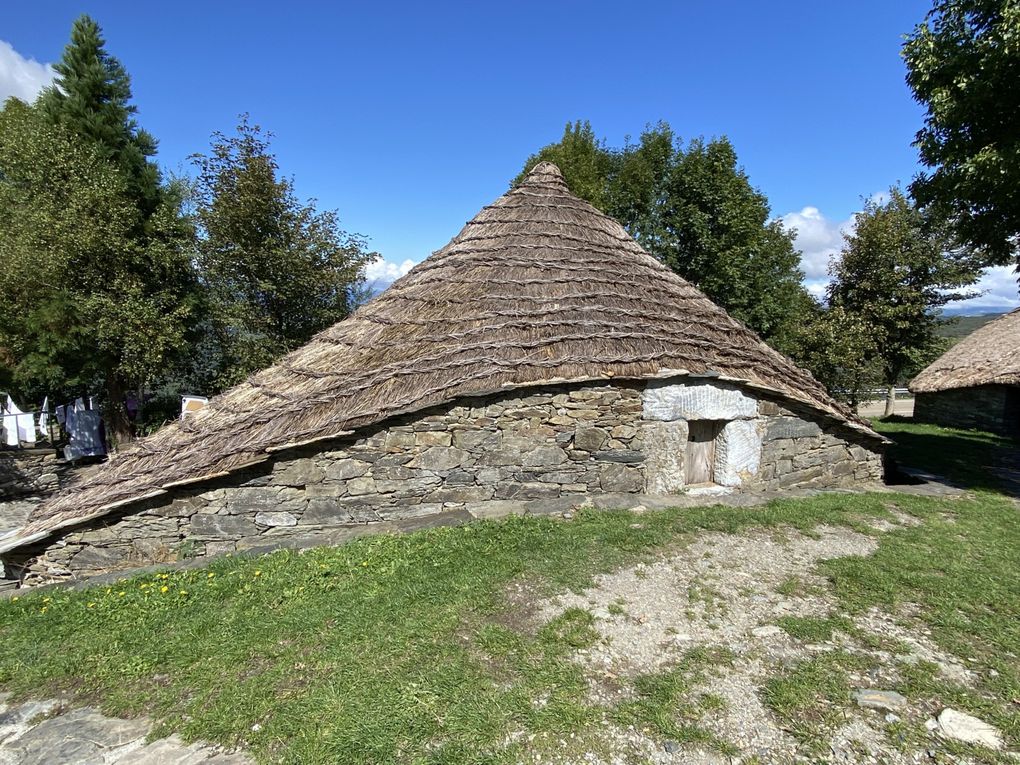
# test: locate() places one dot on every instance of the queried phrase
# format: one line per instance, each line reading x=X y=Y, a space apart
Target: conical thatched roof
x=539 y=287
x=990 y=355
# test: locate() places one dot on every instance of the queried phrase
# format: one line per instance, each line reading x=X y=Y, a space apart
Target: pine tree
x=124 y=295
x=92 y=99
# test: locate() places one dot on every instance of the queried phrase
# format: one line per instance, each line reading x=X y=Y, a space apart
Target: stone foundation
x=993 y=408
x=538 y=450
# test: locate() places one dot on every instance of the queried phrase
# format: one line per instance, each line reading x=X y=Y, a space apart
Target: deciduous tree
x=85 y=300
x=963 y=66
x=895 y=273
x=276 y=269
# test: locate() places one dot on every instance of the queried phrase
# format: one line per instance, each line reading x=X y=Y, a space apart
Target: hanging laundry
x=69 y=414
x=60 y=415
x=44 y=418
x=85 y=436
x=10 y=427
x=25 y=424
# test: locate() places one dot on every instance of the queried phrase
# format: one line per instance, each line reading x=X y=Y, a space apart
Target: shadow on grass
x=969 y=458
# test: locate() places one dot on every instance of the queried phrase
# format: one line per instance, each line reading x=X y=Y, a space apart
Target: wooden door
x=699 y=467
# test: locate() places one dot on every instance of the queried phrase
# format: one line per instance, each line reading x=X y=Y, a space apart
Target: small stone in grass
x=671 y=746
x=884 y=700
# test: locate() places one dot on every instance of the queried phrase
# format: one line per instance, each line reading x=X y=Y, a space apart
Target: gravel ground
x=727 y=591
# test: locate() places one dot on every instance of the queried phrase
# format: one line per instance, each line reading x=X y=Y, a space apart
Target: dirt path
x=904 y=407
x=728 y=594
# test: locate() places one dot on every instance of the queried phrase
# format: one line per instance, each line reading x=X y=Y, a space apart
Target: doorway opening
x=699 y=465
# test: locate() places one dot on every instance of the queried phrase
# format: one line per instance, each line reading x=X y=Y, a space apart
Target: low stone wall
x=27 y=477
x=993 y=408
x=543 y=450
x=29 y=471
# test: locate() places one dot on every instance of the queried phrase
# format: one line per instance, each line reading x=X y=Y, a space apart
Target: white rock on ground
x=887 y=701
x=39 y=733
x=969 y=729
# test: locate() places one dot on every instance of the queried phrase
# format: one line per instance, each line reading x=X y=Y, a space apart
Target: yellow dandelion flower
x=184 y=592
x=15 y=598
x=164 y=588
x=43 y=610
x=211 y=574
x=258 y=573
x=122 y=593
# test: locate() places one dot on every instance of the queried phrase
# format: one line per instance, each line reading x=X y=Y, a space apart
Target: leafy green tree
x=895 y=273
x=131 y=288
x=963 y=66
x=714 y=229
x=276 y=270
x=583 y=159
x=841 y=350
x=91 y=98
x=85 y=299
x=694 y=209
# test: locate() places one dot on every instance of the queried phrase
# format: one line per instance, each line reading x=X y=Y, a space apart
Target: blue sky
x=408 y=117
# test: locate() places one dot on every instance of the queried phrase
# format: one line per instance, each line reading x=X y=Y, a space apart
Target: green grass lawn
x=419 y=648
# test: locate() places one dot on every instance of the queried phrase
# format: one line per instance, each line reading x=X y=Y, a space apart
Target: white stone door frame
x=668 y=405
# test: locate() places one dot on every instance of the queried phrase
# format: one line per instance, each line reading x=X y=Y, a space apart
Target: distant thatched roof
x=540 y=287
x=990 y=355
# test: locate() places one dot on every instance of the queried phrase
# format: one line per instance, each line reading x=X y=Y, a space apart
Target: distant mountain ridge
x=964 y=325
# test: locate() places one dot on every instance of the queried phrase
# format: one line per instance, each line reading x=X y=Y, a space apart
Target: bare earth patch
x=729 y=592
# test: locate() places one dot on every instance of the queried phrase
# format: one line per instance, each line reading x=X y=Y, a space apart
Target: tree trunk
x=890 y=401
x=118 y=427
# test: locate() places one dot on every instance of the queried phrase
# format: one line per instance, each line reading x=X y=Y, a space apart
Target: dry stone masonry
x=27 y=477
x=533 y=451
x=995 y=408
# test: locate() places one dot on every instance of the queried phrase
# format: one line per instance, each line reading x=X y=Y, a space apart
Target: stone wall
x=994 y=408
x=29 y=471
x=27 y=477
x=535 y=451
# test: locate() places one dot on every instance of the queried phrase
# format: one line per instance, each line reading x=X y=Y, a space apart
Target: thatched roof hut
x=990 y=355
x=975 y=383
x=539 y=288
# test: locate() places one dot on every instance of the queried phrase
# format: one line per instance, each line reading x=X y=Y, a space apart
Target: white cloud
x=879 y=197
x=819 y=240
x=383 y=272
x=20 y=76
x=999 y=293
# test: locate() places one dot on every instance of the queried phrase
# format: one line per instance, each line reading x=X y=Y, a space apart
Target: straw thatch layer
x=538 y=287
x=988 y=356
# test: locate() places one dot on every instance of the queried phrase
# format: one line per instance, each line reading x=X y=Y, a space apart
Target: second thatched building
x=976 y=383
